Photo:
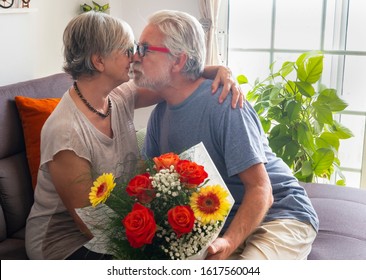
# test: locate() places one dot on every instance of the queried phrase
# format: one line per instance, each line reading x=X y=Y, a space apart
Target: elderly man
x=272 y=217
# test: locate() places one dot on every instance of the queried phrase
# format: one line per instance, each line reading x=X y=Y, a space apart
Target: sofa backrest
x=16 y=193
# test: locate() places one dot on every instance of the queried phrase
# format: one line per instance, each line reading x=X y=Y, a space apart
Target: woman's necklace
x=91 y=108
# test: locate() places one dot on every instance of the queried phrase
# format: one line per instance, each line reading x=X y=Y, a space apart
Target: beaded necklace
x=90 y=107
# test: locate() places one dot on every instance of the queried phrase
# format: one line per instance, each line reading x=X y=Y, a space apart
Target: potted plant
x=298 y=119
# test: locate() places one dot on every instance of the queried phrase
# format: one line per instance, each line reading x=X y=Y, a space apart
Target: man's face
x=154 y=68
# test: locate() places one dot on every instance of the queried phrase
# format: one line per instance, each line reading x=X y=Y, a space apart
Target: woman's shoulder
x=124 y=91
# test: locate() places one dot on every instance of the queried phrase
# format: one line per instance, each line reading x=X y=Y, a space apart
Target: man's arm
x=256 y=202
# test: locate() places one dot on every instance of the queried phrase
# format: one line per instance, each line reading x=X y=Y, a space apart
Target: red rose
x=141 y=187
x=181 y=219
x=140 y=226
x=165 y=161
x=191 y=173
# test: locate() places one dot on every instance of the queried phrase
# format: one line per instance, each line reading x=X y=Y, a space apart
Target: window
x=256 y=33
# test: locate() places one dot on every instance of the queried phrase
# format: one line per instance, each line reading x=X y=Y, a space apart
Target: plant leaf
x=293 y=110
x=330 y=97
x=287 y=68
x=310 y=67
x=266 y=124
x=290 y=152
x=322 y=161
x=242 y=79
x=306 y=169
x=305 y=137
x=340 y=130
x=328 y=140
x=322 y=113
x=305 y=89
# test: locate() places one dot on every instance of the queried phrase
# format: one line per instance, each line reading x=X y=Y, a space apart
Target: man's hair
x=92 y=33
x=183 y=34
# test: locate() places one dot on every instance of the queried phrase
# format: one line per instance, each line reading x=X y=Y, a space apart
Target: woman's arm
x=71 y=176
x=221 y=76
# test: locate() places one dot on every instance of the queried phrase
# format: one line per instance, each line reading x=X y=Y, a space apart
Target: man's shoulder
x=212 y=99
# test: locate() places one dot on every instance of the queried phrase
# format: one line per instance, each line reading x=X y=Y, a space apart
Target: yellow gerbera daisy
x=101 y=189
x=210 y=204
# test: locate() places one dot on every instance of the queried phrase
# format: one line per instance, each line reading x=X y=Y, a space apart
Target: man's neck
x=179 y=90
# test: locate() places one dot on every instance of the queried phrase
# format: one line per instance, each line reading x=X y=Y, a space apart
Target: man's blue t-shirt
x=235 y=140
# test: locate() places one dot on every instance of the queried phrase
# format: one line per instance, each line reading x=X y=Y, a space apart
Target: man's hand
x=220 y=249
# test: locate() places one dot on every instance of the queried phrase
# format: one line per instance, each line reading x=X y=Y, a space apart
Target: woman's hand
x=223 y=76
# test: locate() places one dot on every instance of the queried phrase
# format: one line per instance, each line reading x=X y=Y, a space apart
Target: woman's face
x=117 y=65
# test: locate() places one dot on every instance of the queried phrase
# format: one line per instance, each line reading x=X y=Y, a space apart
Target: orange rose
x=140 y=226
x=181 y=219
x=141 y=187
x=191 y=173
x=165 y=161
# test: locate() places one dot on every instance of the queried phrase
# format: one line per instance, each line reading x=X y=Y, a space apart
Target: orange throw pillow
x=33 y=113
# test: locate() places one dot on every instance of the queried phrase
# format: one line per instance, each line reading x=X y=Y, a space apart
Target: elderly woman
x=90 y=132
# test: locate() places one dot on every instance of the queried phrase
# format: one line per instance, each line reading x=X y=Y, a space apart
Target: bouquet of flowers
x=172 y=210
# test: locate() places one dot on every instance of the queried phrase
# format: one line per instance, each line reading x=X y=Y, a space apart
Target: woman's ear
x=180 y=62
x=98 y=62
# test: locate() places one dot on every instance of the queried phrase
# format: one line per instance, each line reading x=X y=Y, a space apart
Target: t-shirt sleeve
x=242 y=139
x=61 y=134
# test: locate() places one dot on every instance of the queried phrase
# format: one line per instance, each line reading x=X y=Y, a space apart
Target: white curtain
x=209 y=12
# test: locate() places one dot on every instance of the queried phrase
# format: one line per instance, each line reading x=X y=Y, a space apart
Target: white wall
x=31 y=43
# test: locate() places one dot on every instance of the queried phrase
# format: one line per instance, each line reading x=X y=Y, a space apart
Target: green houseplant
x=298 y=119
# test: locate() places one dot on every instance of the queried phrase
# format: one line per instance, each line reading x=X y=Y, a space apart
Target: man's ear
x=180 y=62
x=98 y=62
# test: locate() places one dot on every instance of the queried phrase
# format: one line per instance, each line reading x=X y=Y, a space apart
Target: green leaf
x=274 y=97
x=306 y=169
x=293 y=109
x=328 y=140
x=291 y=88
x=310 y=67
x=276 y=114
x=322 y=161
x=323 y=114
x=341 y=182
x=290 y=152
x=330 y=97
x=266 y=124
x=305 y=137
x=278 y=142
x=86 y=7
x=305 y=89
x=251 y=96
x=287 y=68
x=340 y=130
x=242 y=79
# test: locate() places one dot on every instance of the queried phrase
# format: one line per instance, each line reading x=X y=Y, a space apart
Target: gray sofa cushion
x=16 y=191
x=342 y=217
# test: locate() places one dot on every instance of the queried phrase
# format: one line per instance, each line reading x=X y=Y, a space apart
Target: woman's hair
x=183 y=34
x=93 y=33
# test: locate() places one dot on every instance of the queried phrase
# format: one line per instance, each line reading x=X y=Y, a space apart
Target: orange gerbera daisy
x=101 y=189
x=210 y=204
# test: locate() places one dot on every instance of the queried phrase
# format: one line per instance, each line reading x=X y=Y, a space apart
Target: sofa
x=341 y=210
x=16 y=191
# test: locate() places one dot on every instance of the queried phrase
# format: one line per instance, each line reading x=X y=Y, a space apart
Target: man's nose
x=136 y=57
